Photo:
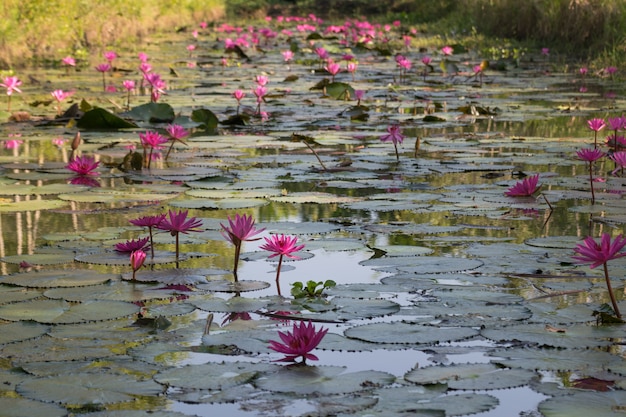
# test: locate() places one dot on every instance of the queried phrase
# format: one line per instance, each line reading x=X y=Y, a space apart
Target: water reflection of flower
x=240 y=315
x=84 y=180
x=12 y=143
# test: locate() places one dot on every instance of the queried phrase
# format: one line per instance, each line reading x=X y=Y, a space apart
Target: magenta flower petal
x=298 y=343
x=178 y=223
x=282 y=245
x=590 y=252
x=83 y=165
x=525 y=188
x=132 y=245
x=240 y=229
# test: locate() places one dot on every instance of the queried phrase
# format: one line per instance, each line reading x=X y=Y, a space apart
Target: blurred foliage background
x=33 y=31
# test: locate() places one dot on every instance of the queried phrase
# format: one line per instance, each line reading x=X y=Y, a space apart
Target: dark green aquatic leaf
x=340 y=91
x=58 y=278
x=99 y=118
x=152 y=113
x=207 y=119
x=21 y=330
x=61 y=312
x=214 y=376
x=584 y=404
x=409 y=333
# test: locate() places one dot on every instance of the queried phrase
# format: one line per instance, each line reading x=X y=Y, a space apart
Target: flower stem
x=177 y=250
x=395 y=146
x=237 y=252
x=593 y=194
x=280 y=262
x=608 y=286
x=151 y=242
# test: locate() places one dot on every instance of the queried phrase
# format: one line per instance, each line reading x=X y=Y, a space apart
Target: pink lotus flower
x=143 y=57
x=447 y=50
x=287 y=55
x=129 y=86
x=620 y=160
x=11 y=84
x=137 y=259
x=69 y=61
x=179 y=223
x=525 y=188
x=590 y=252
x=238 y=95
x=262 y=80
x=152 y=140
x=351 y=67
x=583 y=71
x=110 y=56
x=177 y=133
x=617 y=123
x=83 y=165
x=394 y=134
x=333 y=69
x=427 y=60
x=281 y=245
x=596 y=125
x=590 y=155
x=545 y=51
x=260 y=92
x=239 y=230
x=299 y=343
x=132 y=245
x=150 y=222
x=103 y=68
x=12 y=143
x=59 y=96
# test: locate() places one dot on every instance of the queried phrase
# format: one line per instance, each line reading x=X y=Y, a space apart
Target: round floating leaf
x=573 y=336
x=40 y=258
x=59 y=311
x=178 y=276
x=34 y=205
x=314 y=197
x=422 y=264
x=58 y=278
x=99 y=118
x=233 y=305
x=471 y=376
x=234 y=287
x=21 y=330
x=120 y=291
x=20 y=407
x=213 y=376
x=323 y=380
x=137 y=413
x=11 y=294
x=409 y=333
x=88 y=388
x=585 y=404
x=582 y=361
x=118 y=258
x=54 y=349
x=559 y=242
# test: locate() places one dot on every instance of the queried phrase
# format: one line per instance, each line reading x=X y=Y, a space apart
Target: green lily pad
x=59 y=311
x=152 y=113
x=213 y=375
x=21 y=330
x=471 y=376
x=40 y=259
x=322 y=380
x=583 y=404
x=88 y=388
x=34 y=205
x=19 y=407
x=99 y=118
x=58 y=278
x=409 y=333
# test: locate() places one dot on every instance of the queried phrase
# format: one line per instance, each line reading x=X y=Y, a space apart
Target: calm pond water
x=451 y=298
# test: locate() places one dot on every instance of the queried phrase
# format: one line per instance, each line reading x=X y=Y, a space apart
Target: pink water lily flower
x=11 y=84
x=620 y=161
x=132 y=245
x=177 y=134
x=525 y=188
x=69 y=61
x=394 y=134
x=333 y=69
x=590 y=155
x=590 y=252
x=151 y=140
x=447 y=50
x=177 y=223
x=150 y=222
x=239 y=230
x=83 y=165
x=596 y=125
x=299 y=342
x=137 y=259
x=281 y=245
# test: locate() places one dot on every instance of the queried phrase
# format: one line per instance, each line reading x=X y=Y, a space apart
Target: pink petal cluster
x=394 y=134
x=282 y=245
x=525 y=188
x=590 y=155
x=177 y=222
x=132 y=245
x=590 y=252
x=83 y=165
x=240 y=229
x=11 y=84
x=299 y=342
